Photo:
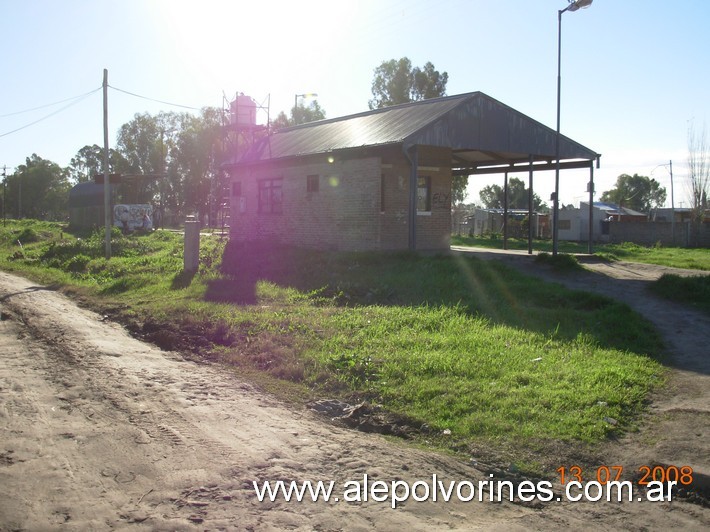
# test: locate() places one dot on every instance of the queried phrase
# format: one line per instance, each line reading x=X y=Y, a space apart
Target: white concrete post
x=192 y=244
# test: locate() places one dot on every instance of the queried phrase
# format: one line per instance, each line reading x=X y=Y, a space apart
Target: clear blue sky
x=634 y=72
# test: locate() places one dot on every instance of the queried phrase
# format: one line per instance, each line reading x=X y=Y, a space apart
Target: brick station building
x=381 y=180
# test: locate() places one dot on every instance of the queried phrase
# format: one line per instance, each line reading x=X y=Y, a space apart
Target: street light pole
x=573 y=6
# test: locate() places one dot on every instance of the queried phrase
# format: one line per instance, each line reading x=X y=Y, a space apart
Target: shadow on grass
x=489 y=289
x=182 y=280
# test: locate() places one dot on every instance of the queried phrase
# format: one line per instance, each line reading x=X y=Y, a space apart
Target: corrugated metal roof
x=87 y=194
x=472 y=122
x=614 y=209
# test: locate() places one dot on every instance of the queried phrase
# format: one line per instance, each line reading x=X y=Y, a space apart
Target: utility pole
x=670 y=170
x=107 y=189
x=670 y=164
x=4 y=186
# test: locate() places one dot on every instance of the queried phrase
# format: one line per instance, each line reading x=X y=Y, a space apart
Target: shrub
x=77 y=264
x=27 y=236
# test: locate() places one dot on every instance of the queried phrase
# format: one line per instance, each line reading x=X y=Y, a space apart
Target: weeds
x=448 y=341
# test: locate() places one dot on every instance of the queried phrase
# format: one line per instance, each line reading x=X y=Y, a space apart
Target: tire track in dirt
x=104 y=431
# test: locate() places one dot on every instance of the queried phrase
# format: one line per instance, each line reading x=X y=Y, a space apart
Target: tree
x=636 y=192
x=698 y=176
x=89 y=161
x=196 y=159
x=185 y=149
x=396 y=82
x=144 y=143
x=301 y=114
x=146 y=140
x=492 y=196
x=458 y=188
x=38 y=189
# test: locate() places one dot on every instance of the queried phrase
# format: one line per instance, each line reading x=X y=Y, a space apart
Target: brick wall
x=434 y=229
x=346 y=212
x=649 y=233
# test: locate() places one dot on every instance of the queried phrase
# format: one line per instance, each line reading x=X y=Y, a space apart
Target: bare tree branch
x=698 y=175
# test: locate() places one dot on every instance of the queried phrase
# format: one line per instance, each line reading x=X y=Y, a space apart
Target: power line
x=48 y=104
x=76 y=100
x=154 y=100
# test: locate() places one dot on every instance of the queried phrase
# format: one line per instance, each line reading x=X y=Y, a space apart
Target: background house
x=574 y=223
x=381 y=180
x=127 y=193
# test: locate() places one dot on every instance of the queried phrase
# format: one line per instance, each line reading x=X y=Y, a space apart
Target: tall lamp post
x=573 y=6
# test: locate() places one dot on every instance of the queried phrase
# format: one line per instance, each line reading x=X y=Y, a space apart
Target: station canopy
x=485 y=136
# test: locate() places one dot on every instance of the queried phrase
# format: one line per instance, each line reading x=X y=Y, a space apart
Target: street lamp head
x=579 y=4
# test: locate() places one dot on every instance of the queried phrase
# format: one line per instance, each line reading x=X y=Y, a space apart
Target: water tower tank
x=242 y=111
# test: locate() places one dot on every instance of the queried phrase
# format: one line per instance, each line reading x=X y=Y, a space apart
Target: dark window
x=424 y=194
x=270 y=196
x=565 y=225
x=237 y=188
x=382 y=193
x=312 y=183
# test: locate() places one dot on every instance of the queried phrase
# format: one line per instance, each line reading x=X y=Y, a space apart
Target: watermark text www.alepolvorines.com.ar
x=399 y=491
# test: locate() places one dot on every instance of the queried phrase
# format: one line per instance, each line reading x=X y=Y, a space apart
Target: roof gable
x=472 y=122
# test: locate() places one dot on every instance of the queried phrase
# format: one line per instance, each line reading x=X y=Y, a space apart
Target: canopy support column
x=530 y=207
x=591 y=209
x=505 y=212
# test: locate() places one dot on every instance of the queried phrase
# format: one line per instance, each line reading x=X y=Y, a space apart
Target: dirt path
x=677 y=429
x=101 y=431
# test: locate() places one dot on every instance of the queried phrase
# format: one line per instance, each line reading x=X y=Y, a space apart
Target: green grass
x=498 y=358
x=562 y=262
x=693 y=291
x=675 y=257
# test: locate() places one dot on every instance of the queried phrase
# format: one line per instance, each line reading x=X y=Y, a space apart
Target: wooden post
x=107 y=186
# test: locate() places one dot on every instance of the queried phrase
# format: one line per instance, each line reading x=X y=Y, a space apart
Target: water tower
x=243 y=122
x=242 y=112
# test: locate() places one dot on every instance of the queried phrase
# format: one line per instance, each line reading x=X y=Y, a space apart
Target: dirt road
x=101 y=431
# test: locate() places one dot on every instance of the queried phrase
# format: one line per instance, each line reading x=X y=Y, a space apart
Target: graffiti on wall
x=441 y=200
x=133 y=217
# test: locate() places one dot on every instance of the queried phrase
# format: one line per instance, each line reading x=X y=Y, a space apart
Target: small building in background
x=574 y=223
x=130 y=200
x=381 y=180
x=86 y=205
